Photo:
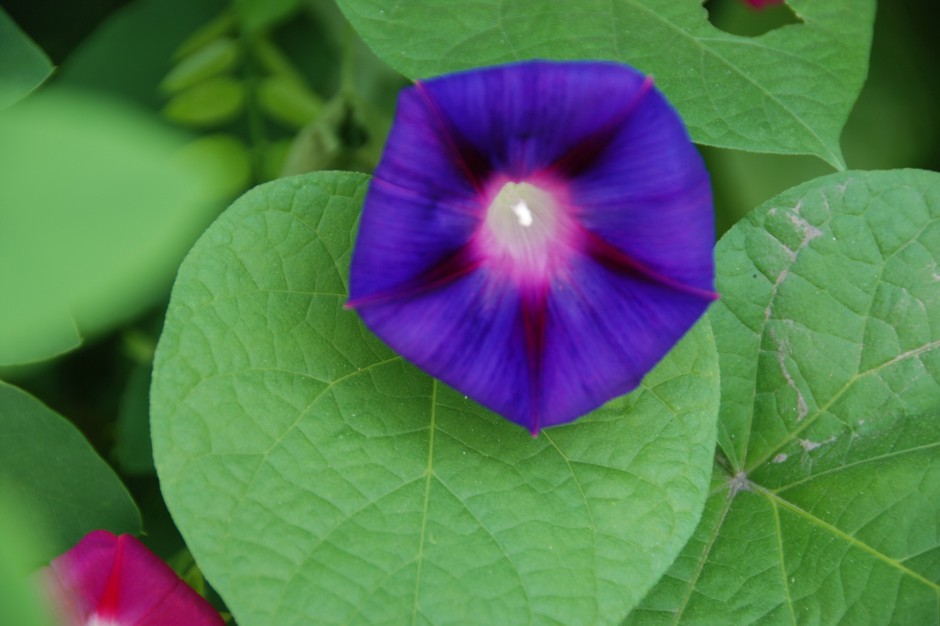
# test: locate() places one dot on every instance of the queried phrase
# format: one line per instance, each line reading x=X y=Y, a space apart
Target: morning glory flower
x=536 y=235
x=108 y=580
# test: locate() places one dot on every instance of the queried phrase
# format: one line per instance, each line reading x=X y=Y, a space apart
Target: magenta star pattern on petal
x=108 y=580
x=536 y=235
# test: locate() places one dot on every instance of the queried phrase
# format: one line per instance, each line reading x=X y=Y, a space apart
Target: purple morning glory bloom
x=537 y=235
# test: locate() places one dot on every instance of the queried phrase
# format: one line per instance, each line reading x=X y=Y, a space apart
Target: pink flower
x=107 y=580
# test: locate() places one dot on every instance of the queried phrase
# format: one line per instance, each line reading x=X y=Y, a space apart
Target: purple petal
x=582 y=370
x=524 y=117
x=537 y=235
x=649 y=196
x=469 y=333
x=431 y=207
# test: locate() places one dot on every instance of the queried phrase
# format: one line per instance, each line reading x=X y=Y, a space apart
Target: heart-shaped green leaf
x=318 y=478
x=67 y=489
x=788 y=91
x=827 y=508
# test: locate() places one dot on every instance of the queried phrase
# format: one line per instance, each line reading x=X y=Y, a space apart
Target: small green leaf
x=210 y=103
x=211 y=60
x=95 y=216
x=288 y=101
x=23 y=64
x=217 y=28
x=318 y=478
x=258 y=15
x=827 y=510
x=67 y=489
x=788 y=91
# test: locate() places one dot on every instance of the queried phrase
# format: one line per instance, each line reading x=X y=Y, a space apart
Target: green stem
x=257 y=132
x=347 y=85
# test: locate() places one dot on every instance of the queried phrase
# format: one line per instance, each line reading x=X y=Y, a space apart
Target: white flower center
x=522 y=224
x=522 y=211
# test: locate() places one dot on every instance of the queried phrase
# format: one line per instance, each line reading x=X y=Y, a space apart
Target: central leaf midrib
x=419 y=557
x=703 y=558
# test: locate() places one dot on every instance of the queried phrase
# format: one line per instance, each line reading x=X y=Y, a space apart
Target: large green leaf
x=787 y=91
x=318 y=478
x=65 y=487
x=96 y=212
x=827 y=509
x=23 y=64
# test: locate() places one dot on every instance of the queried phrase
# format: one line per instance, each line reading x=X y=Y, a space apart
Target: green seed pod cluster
x=220 y=71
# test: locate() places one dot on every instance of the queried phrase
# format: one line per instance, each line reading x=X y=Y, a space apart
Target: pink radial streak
x=620 y=262
x=589 y=149
x=472 y=163
x=534 y=312
x=460 y=263
x=108 y=606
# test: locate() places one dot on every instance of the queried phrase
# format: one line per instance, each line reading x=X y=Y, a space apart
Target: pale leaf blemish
x=809 y=445
x=802 y=408
x=808 y=232
x=781 y=458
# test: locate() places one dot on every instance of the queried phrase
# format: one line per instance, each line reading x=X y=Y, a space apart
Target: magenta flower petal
x=537 y=235
x=115 y=580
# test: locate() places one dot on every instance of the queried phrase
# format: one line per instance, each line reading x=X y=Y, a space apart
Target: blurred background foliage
x=157 y=115
x=241 y=92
